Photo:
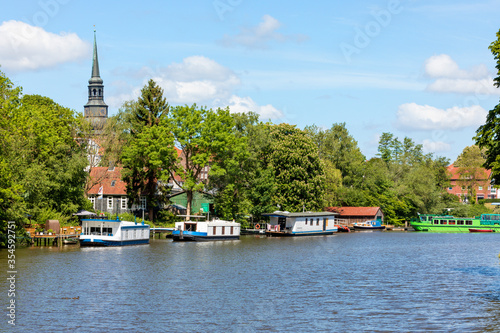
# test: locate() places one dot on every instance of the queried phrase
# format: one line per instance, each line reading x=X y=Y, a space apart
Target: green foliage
x=146 y=159
x=488 y=135
x=297 y=170
x=204 y=137
x=150 y=108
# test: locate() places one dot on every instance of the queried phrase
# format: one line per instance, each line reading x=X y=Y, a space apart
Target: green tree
x=203 y=136
x=150 y=107
x=298 y=171
x=147 y=159
x=488 y=135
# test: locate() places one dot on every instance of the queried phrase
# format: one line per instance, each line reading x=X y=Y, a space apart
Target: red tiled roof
x=105 y=178
x=354 y=211
x=453 y=171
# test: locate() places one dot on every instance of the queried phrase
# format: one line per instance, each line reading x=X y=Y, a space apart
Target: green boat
x=448 y=223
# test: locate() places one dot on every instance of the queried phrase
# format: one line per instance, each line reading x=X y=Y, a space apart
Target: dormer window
x=113 y=183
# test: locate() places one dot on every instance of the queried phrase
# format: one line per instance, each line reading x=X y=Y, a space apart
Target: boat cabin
x=297 y=224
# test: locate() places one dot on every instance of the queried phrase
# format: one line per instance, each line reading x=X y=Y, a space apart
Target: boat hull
x=368 y=228
x=298 y=234
x=481 y=230
x=193 y=236
x=106 y=243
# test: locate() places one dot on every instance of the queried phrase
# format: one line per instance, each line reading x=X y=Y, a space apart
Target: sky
x=414 y=68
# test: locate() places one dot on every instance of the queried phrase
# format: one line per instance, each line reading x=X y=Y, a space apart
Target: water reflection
x=396 y=282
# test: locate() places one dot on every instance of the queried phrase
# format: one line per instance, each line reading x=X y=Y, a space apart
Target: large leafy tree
x=297 y=169
x=146 y=160
x=11 y=200
x=488 y=135
x=149 y=152
x=50 y=163
x=204 y=137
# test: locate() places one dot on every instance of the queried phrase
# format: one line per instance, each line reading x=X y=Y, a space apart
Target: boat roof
x=302 y=214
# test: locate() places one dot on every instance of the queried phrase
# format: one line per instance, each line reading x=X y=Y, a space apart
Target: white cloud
x=464 y=86
x=258 y=37
x=198 y=80
x=451 y=79
x=245 y=104
x=435 y=146
x=425 y=117
x=24 y=47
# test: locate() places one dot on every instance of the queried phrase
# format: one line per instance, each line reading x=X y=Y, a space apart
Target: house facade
x=483 y=187
x=109 y=192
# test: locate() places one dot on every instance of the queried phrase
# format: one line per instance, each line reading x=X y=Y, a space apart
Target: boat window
x=223 y=230
x=468 y=222
x=436 y=221
x=215 y=230
x=232 y=229
x=451 y=222
x=460 y=222
x=444 y=222
x=317 y=221
x=306 y=221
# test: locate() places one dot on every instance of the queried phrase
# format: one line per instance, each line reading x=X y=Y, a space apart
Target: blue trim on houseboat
x=189 y=233
x=135 y=227
x=100 y=242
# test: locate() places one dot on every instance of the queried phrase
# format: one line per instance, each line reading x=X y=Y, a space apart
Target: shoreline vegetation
x=256 y=167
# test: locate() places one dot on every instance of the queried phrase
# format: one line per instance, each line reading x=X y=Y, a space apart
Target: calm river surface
x=364 y=281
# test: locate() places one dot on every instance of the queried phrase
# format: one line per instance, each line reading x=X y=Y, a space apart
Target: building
x=351 y=215
x=109 y=192
x=96 y=109
x=483 y=187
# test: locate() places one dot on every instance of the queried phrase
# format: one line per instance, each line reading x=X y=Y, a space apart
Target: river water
x=363 y=281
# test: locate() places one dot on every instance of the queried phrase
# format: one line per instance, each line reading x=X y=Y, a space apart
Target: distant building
x=350 y=215
x=109 y=192
x=483 y=188
x=96 y=109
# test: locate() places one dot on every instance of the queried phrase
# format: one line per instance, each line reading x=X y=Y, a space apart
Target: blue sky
x=414 y=68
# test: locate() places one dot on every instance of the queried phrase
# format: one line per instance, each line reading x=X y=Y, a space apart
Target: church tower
x=95 y=109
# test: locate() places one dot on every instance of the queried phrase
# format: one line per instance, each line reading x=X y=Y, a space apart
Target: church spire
x=95 y=61
x=96 y=109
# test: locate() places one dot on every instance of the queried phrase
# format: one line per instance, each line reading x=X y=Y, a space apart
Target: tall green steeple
x=96 y=109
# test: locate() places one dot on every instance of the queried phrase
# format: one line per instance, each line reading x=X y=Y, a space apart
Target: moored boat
x=369 y=225
x=100 y=232
x=481 y=230
x=206 y=230
x=448 y=223
x=70 y=241
x=300 y=224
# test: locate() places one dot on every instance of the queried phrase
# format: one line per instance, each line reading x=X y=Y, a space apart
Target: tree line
x=255 y=166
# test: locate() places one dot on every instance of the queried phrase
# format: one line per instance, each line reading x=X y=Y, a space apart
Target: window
x=317 y=221
x=214 y=231
x=110 y=202
x=113 y=182
x=480 y=188
x=468 y=222
x=92 y=200
x=306 y=221
x=450 y=188
x=459 y=222
x=232 y=230
x=124 y=202
x=223 y=230
x=444 y=222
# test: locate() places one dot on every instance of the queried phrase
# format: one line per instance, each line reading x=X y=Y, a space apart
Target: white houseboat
x=99 y=232
x=300 y=224
x=206 y=230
